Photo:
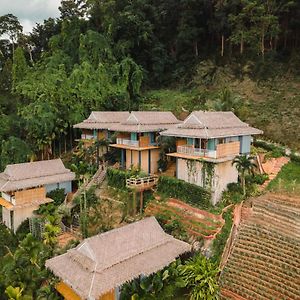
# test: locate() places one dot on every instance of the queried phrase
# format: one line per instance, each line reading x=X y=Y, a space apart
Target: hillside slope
x=265 y=260
x=273 y=105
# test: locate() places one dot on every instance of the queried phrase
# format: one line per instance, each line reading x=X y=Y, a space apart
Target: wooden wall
x=27 y=196
x=228 y=149
x=144 y=141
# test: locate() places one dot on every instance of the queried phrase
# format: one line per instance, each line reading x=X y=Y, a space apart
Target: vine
x=192 y=170
x=208 y=172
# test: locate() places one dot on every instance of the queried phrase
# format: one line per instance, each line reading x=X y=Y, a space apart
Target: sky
x=30 y=12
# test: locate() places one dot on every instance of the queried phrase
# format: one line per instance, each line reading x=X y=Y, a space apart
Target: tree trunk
x=222 y=45
x=196 y=48
x=242 y=45
x=263 y=43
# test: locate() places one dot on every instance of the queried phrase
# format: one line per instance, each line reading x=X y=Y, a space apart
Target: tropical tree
x=50 y=235
x=10 y=25
x=200 y=275
x=245 y=165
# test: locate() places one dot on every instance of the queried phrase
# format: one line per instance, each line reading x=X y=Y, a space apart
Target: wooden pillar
x=141 y=202
x=134 y=202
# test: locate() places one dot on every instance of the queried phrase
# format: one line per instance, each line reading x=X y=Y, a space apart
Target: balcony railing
x=196 y=151
x=87 y=136
x=127 y=142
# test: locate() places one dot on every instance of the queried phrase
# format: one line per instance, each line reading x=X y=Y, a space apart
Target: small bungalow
x=99 y=265
x=96 y=126
x=137 y=138
x=207 y=142
x=24 y=187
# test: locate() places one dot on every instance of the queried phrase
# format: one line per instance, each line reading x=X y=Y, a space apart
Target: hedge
x=117 y=178
x=187 y=192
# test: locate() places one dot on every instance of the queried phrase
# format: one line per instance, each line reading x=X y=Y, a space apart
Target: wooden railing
x=189 y=150
x=142 y=182
x=127 y=142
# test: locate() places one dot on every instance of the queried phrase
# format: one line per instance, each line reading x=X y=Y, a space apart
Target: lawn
x=288 y=179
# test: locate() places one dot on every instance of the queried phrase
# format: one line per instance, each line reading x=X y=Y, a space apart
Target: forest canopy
x=102 y=55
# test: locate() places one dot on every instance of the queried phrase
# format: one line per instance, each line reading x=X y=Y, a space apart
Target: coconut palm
x=245 y=165
x=200 y=275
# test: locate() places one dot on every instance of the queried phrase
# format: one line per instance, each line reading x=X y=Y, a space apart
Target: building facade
x=137 y=138
x=206 y=144
x=24 y=188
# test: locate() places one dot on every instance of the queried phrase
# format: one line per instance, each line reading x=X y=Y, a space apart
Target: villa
x=24 y=188
x=96 y=126
x=207 y=143
x=99 y=265
x=137 y=138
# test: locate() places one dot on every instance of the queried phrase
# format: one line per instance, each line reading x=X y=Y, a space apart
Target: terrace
x=224 y=150
x=126 y=142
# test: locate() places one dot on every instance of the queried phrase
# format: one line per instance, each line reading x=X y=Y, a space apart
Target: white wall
x=67 y=186
x=224 y=173
x=21 y=214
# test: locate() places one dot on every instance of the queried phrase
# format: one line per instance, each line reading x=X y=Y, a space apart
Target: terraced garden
x=197 y=222
x=265 y=261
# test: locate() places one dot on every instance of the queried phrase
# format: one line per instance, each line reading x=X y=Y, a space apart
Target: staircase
x=272 y=167
x=96 y=180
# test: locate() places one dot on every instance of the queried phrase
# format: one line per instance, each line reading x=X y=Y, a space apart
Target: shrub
x=257 y=178
x=295 y=158
x=234 y=187
x=57 y=195
x=190 y=193
x=23 y=230
x=117 y=178
x=221 y=238
x=276 y=151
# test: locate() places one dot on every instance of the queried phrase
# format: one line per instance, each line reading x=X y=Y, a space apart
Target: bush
x=57 y=195
x=257 y=178
x=190 y=193
x=234 y=187
x=117 y=178
x=23 y=230
x=221 y=238
x=295 y=158
x=276 y=151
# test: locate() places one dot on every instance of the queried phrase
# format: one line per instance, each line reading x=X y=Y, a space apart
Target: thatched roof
x=108 y=260
x=28 y=175
x=206 y=124
x=103 y=119
x=146 y=121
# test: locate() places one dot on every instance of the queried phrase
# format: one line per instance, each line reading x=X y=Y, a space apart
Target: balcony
x=142 y=142
x=188 y=150
x=127 y=142
x=222 y=150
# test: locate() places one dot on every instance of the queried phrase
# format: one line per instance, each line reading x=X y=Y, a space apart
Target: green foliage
x=288 y=179
x=23 y=230
x=244 y=165
x=276 y=150
x=163 y=284
x=200 y=275
x=221 y=238
x=172 y=226
x=7 y=240
x=117 y=178
x=57 y=195
x=14 y=150
x=257 y=178
x=190 y=193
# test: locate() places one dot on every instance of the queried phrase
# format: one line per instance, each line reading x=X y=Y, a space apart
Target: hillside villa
x=99 y=265
x=207 y=143
x=137 y=138
x=96 y=126
x=24 y=187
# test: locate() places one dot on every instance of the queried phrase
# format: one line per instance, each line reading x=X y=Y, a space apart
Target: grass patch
x=287 y=180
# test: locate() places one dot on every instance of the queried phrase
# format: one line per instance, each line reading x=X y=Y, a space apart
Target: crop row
x=290 y=281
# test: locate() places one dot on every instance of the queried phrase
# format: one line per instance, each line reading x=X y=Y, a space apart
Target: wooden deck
x=142 y=184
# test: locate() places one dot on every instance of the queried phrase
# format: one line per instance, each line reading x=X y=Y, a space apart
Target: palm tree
x=245 y=165
x=50 y=235
x=200 y=275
